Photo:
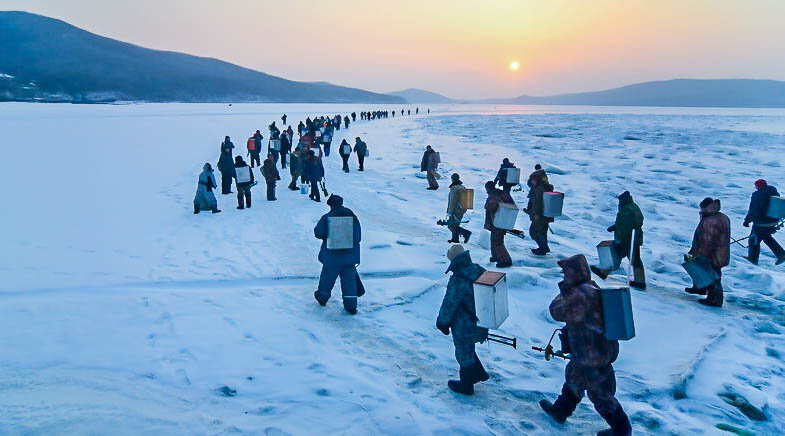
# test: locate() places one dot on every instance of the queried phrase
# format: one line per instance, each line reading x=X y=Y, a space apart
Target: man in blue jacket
x=501 y=176
x=339 y=263
x=763 y=227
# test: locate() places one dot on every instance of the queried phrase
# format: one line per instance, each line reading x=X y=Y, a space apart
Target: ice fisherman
x=429 y=164
x=271 y=177
x=226 y=166
x=313 y=171
x=499 y=253
x=590 y=370
x=339 y=263
x=296 y=166
x=501 y=175
x=712 y=241
x=763 y=226
x=254 y=154
x=457 y=315
x=346 y=122
x=361 y=148
x=243 y=188
x=456 y=211
x=538 y=230
x=354 y=116
x=205 y=198
x=283 y=119
x=629 y=223
x=275 y=135
x=345 y=150
x=286 y=147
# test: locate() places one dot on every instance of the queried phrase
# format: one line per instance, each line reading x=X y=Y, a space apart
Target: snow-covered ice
x=121 y=312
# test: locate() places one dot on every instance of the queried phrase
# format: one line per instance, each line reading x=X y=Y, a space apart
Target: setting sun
x=515 y=66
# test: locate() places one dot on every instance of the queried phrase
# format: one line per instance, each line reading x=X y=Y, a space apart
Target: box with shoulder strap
x=700 y=270
x=776 y=208
x=552 y=202
x=243 y=174
x=466 y=198
x=512 y=176
x=617 y=314
x=340 y=232
x=490 y=299
x=505 y=216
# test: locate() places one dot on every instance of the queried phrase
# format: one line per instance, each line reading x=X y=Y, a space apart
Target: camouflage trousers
x=598 y=383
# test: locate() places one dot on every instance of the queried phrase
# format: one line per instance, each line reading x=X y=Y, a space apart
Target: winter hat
x=455 y=251
x=207 y=167
x=625 y=195
x=455 y=177
x=506 y=160
x=335 y=201
x=706 y=202
x=490 y=185
x=238 y=159
x=760 y=183
x=538 y=167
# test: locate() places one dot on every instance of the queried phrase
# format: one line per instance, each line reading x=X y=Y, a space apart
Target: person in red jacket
x=712 y=241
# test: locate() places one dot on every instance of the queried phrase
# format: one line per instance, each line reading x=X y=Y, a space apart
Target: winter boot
x=552 y=410
x=216 y=210
x=754 y=262
x=780 y=260
x=714 y=296
x=620 y=424
x=503 y=264
x=539 y=251
x=321 y=301
x=466 y=236
x=599 y=272
x=638 y=277
x=480 y=375
x=196 y=210
x=464 y=385
x=695 y=291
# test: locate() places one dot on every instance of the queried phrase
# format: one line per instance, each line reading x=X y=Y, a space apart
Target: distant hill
x=419 y=96
x=679 y=92
x=43 y=59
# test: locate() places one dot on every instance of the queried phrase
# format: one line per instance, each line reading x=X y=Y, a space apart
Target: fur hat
x=760 y=183
x=455 y=177
x=335 y=201
x=706 y=202
x=455 y=251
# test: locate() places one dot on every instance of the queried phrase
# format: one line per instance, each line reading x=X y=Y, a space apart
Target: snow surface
x=123 y=313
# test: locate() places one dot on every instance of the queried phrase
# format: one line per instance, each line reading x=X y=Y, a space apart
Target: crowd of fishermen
x=579 y=304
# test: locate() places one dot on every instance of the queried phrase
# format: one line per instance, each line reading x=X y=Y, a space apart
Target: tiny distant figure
x=257 y=148
x=226 y=166
x=205 y=198
x=457 y=315
x=711 y=240
x=763 y=226
x=244 y=177
x=628 y=232
x=417 y=111
x=456 y=211
x=283 y=119
x=499 y=253
x=354 y=116
x=346 y=122
x=429 y=164
x=361 y=148
x=538 y=230
x=579 y=306
x=271 y=176
x=314 y=171
x=401 y=112
x=393 y=114
x=409 y=112
x=501 y=176
x=339 y=262
x=429 y=111
x=345 y=150
x=275 y=139
x=300 y=129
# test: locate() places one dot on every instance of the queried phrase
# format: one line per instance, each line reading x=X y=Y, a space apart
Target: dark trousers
x=255 y=158
x=499 y=252
x=361 y=159
x=326 y=149
x=348 y=275
x=432 y=179
x=763 y=234
x=293 y=185
x=315 y=190
x=283 y=159
x=457 y=230
x=274 y=154
x=270 y=190
x=226 y=183
x=345 y=158
x=598 y=383
x=244 y=192
x=538 y=230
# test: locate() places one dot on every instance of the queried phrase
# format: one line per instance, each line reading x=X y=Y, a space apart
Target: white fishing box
x=776 y=208
x=512 y=176
x=505 y=216
x=701 y=271
x=490 y=299
x=552 y=202
x=609 y=257
x=340 y=232
x=617 y=314
x=275 y=144
x=243 y=174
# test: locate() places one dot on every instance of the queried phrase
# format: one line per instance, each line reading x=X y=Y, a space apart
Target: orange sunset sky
x=460 y=48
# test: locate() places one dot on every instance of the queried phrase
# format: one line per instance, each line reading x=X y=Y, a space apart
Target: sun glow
x=515 y=66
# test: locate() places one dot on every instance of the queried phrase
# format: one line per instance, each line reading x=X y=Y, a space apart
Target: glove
x=443 y=328
x=746 y=224
x=612 y=228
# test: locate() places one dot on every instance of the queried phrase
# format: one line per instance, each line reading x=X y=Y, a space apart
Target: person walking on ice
x=457 y=315
x=226 y=166
x=456 y=211
x=712 y=241
x=538 y=230
x=579 y=306
x=339 y=262
x=345 y=150
x=499 y=253
x=629 y=224
x=205 y=198
x=361 y=148
x=763 y=226
x=244 y=177
x=429 y=164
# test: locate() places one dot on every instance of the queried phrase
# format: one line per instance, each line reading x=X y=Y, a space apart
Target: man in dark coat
x=457 y=314
x=538 y=229
x=499 y=253
x=283 y=119
x=429 y=164
x=361 y=148
x=226 y=166
x=455 y=211
x=345 y=150
x=346 y=122
x=501 y=176
x=712 y=241
x=579 y=305
x=275 y=135
x=314 y=171
x=628 y=232
x=354 y=116
x=271 y=176
x=339 y=263
x=296 y=167
x=243 y=188
x=301 y=129
x=535 y=175
x=254 y=154
x=763 y=226
x=286 y=147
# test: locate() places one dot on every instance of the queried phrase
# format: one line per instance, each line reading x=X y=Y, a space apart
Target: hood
x=576 y=269
x=460 y=262
x=711 y=208
x=335 y=201
x=625 y=198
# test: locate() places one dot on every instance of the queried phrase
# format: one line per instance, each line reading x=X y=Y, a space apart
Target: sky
x=459 y=48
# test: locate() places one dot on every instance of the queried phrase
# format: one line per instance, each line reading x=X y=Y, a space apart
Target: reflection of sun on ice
x=515 y=66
